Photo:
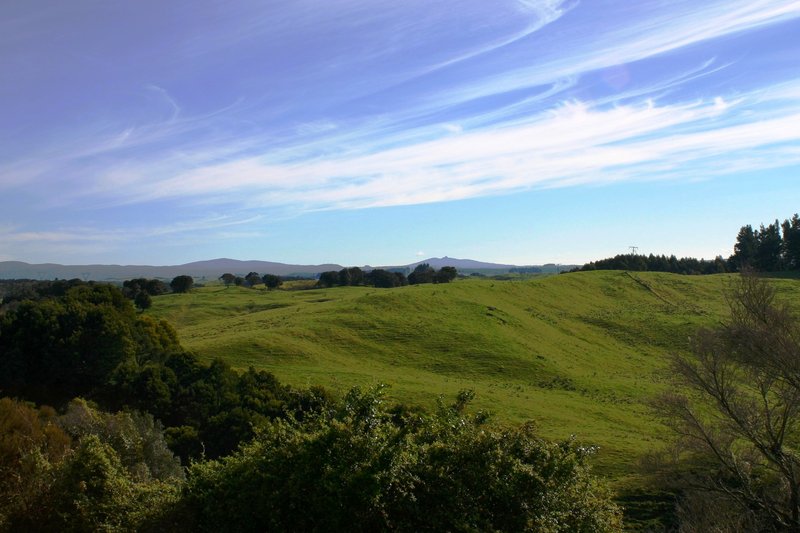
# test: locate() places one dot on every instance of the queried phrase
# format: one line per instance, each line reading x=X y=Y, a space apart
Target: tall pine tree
x=744 y=251
x=791 y=243
x=768 y=250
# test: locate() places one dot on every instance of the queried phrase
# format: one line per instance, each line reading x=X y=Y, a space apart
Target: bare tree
x=736 y=408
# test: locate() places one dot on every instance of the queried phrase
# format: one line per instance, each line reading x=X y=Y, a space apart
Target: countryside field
x=579 y=354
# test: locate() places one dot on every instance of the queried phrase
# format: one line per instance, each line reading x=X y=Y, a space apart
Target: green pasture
x=579 y=354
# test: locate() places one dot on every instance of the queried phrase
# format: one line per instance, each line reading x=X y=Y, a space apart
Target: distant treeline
x=353 y=276
x=526 y=270
x=658 y=263
x=139 y=290
x=772 y=248
x=378 y=277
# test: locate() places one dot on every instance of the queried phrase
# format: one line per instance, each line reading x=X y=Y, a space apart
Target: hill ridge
x=211 y=269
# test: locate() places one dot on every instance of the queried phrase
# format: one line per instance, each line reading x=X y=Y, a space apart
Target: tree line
x=378 y=277
x=353 y=276
x=270 y=281
x=658 y=263
x=771 y=248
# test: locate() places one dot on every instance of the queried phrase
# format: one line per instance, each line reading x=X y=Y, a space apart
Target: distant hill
x=214 y=268
x=461 y=264
x=467 y=266
x=200 y=270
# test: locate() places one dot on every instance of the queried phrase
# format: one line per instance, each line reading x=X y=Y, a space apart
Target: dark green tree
x=385 y=279
x=423 y=273
x=253 y=278
x=769 y=248
x=791 y=243
x=329 y=278
x=271 y=281
x=143 y=300
x=139 y=289
x=362 y=467
x=156 y=287
x=744 y=251
x=351 y=276
x=181 y=283
x=55 y=349
x=446 y=274
x=227 y=278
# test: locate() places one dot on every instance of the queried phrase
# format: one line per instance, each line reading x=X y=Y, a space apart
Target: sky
x=381 y=133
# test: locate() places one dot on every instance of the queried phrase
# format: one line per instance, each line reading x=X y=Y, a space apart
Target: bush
x=362 y=469
x=181 y=283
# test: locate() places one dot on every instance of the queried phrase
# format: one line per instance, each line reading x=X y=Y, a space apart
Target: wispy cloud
x=290 y=107
x=570 y=144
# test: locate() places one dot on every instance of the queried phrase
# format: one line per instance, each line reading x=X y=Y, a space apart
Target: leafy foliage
x=85 y=470
x=227 y=278
x=55 y=349
x=351 y=276
x=658 y=263
x=362 y=467
x=271 y=281
x=91 y=343
x=153 y=287
x=329 y=278
x=181 y=283
x=143 y=301
x=385 y=279
x=253 y=278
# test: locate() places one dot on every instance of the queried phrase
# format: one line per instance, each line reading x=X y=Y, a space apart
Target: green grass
x=579 y=354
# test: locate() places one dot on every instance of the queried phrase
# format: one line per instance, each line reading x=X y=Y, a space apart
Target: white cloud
x=570 y=144
x=420 y=153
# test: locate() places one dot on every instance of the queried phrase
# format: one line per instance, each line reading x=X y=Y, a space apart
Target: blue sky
x=372 y=132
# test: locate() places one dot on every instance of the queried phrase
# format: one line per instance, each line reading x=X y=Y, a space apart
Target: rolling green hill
x=579 y=353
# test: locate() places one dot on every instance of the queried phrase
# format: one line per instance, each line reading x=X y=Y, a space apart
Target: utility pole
x=634 y=249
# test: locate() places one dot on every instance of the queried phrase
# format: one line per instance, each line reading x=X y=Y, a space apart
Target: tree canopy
x=771 y=248
x=363 y=467
x=271 y=281
x=181 y=283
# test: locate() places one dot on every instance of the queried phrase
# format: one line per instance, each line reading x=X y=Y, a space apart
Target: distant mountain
x=214 y=268
x=461 y=264
x=467 y=266
x=200 y=270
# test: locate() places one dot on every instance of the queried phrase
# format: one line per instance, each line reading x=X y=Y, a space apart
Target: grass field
x=579 y=354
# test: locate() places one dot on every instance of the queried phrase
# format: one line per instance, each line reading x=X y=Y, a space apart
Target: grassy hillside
x=579 y=353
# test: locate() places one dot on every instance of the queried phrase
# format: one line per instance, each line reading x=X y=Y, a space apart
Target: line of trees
x=772 y=248
x=381 y=278
x=270 y=281
x=141 y=291
x=658 y=263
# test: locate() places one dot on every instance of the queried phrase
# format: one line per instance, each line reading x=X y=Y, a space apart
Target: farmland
x=579 y=354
